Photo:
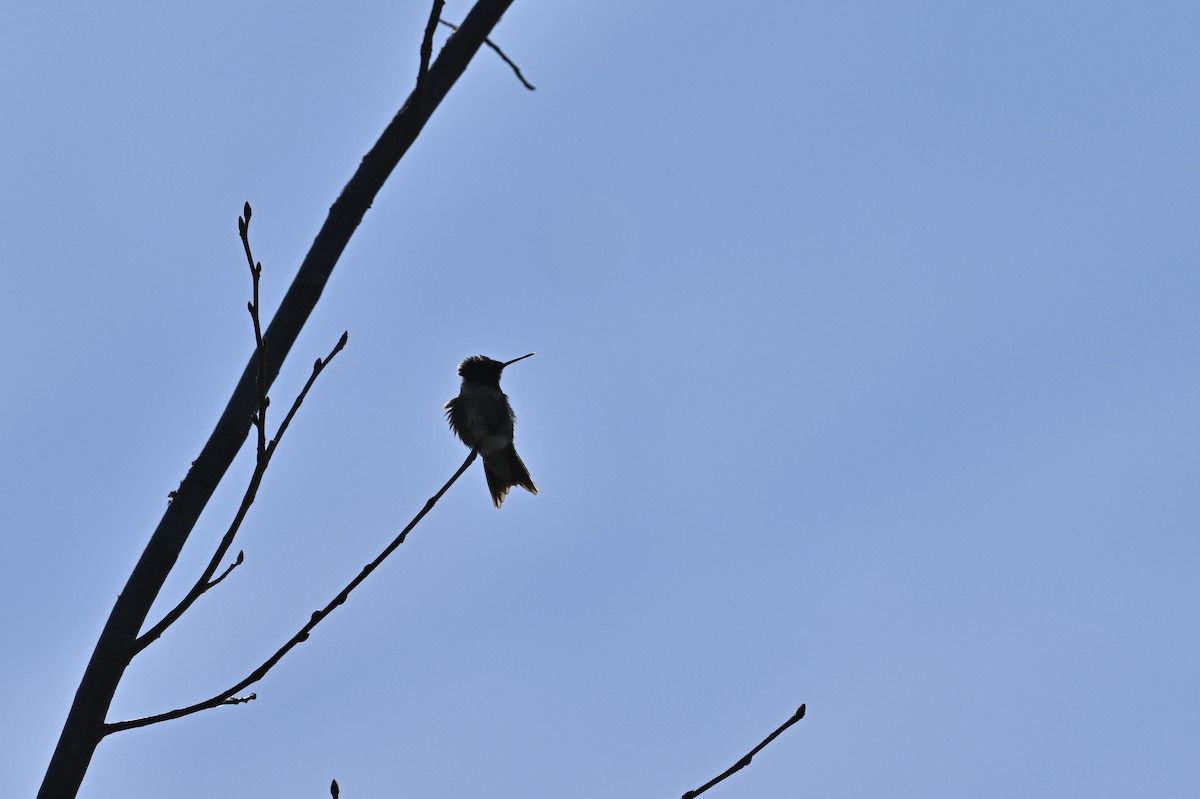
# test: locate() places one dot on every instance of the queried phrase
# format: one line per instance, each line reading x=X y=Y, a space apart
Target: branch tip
x=749 y=756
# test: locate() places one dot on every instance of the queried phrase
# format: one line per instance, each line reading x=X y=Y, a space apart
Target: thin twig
x=745 y=761
x=427 y=51
x=260 y=345
x=229 y=697
x=237 y=562
x=499 y=52
x=205 y=581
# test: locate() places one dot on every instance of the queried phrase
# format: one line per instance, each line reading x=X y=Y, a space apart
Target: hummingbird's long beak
x=523 y=357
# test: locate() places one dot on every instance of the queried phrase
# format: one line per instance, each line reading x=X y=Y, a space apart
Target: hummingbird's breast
x=481 y=416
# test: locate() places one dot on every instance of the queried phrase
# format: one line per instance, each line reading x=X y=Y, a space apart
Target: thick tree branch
x=230 y=697
x=745 y=761
x=84 y=729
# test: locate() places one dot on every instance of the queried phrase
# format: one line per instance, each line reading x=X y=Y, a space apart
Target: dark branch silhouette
x=241 y=557
x=426 y=53
x=85 y=723
x=229 y=697
x=516 y=70
x=265 y=453
x=745 y=761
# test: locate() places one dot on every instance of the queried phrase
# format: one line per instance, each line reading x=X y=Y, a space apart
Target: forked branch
x=206 y=580
x=516 y=69
x=265 y=450
x=230 y=697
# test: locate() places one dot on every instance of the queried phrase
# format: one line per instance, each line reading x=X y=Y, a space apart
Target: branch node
x=211 y=583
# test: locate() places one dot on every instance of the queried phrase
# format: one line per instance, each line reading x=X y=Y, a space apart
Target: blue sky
x=867 y=378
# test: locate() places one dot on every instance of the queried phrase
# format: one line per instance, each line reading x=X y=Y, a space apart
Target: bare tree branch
x=84 y=726
x=260 y=345
x=427 y=50
x=230 y=697
x=266 y=451
x=745 y=761
x=237 y=562
x=499 y=52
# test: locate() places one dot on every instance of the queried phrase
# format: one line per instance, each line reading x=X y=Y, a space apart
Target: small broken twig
x=516 y=70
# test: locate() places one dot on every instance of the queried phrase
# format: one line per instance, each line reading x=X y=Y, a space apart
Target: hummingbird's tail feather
x=504 y=470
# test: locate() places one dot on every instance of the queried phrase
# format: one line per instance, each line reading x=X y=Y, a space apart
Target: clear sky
x=868 y=339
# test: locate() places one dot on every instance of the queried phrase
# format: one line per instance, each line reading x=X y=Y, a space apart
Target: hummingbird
x=481 y=416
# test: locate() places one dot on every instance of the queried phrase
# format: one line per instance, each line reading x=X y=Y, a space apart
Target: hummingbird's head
x=482 y=369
